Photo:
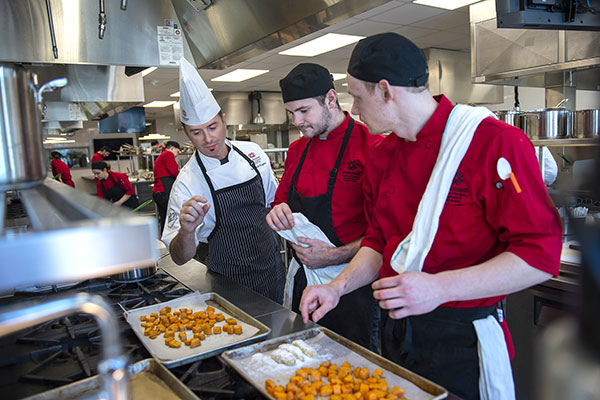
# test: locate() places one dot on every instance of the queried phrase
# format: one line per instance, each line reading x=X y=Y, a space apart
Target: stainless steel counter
x=195 y=275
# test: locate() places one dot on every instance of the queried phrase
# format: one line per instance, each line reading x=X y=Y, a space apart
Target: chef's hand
x=318 y=300
x=316 y=255
x=410 y=293
x=280 y=217
x=192 y=214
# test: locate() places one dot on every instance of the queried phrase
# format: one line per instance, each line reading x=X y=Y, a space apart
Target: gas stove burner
x=142 y=279
x=212 y=379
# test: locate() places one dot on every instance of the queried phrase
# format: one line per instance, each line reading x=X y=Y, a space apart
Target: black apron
x=115 y=193
x=354 y=315
x=242 y=246
x=440 y=345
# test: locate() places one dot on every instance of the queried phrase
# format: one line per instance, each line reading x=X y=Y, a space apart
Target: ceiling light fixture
x=154 y=136
x=148 y=71
x=160 y=103
x=320 y=45
x=176 y=94
x=240 y=75
x=445 y=4
x=337 y=77
x=344 y=84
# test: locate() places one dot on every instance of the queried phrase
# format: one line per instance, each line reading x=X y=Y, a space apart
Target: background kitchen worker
x=323 y=180
x=61 y=169
x=156 y=147
x=221 y=197
x=496 y=235
x=165 y=172
x=101 y=154
x=114 y=186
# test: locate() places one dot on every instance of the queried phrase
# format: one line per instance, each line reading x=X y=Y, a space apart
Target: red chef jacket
x=483 y=215
x=59 y=167
x=121 y=180
x=347 y=206
x=97 y=157
x=164 y=166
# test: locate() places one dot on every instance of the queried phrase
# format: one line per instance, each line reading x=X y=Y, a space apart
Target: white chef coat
x=550 y=166
x=191 y=182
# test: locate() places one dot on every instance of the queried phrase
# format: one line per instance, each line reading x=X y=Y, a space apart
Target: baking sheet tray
x=148 y=370
x=212 y=345
x=256 y=366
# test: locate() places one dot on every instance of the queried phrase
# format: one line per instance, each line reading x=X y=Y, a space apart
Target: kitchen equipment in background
x=509 y=116
x=549 y=123
x=587 y=123
x=22 y=164
x=259 y=118
x=134 y=275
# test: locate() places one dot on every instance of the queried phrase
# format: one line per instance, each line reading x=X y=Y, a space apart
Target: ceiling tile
x=414 y=32
x=445 y=21
x=407 y=14
x=379 y=10
x=367 y=28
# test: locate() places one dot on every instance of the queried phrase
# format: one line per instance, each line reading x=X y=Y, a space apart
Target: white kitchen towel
x=321 y=276
x=495 y=374
x=460 y=128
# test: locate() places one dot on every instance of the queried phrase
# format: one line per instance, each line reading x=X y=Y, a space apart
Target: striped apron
x=242 y=246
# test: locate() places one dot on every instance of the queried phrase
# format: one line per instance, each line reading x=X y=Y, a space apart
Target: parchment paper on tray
x=255 y=364
x=195 y=301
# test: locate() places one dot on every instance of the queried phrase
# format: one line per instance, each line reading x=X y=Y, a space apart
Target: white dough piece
x=283 y=357
x=294 y=350
x=305 y=347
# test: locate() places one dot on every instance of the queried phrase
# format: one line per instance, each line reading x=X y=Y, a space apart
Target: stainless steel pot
x=549 y=123
x=587 y=123
x=134 y=275
x=21 y=155
x=508 y=116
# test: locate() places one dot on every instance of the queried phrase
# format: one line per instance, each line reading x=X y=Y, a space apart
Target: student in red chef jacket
x=60 y=169
x=101 y=154
x=165 y=172
x=114 y=186
x=322 y=180
x=497 y=232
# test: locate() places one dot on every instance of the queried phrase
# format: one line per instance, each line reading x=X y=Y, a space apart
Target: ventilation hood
x=225 y=33
x=93 y=92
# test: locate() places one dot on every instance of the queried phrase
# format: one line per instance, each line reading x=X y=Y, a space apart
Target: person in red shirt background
x=322 y=180
x=113 y=186
x=165 y=172
x=493 y=238
x=101 y=154
x=156 y=147
x=60 y=170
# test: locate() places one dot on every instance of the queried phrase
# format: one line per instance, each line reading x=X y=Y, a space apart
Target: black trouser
x=440 y=345
x=355 y=317
x=162 y=201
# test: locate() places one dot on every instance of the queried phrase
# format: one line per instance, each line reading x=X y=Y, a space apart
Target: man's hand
x=192 y=214
x=317 y=255
x=280 y=217
x=410 y=293
x=318 y=300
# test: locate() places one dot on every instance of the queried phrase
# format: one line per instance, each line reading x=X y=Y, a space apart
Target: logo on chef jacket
x=353 y=172
x=172 y=217
x=458 y=191
x=256 y=159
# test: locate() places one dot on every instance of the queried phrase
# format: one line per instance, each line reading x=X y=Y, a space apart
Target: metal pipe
x=54 y=46
x=114 y=364
x=101 y=20
x=123 y=5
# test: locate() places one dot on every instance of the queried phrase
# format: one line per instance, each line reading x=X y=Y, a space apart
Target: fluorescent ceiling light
x=148 y=71
x=320 y=45
x=58 y=141
x=176 y=94
x=445 y=4
x=160 y=103
x=337 y=77
x=240 y=75
x=154 y=136
x=344 y=84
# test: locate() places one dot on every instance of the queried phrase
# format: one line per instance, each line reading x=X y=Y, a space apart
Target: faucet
x=114 y=364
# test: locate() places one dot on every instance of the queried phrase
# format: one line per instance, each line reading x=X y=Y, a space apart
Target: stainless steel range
x=68 y=349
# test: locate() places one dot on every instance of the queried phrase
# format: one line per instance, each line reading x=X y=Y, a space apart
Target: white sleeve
x=550 y=166
x=270 y=182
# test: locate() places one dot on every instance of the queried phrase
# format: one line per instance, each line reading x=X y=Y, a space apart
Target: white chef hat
x=198 y=106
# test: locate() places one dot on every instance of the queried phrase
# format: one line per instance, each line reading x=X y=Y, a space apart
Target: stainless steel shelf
x=571 y=142
x=73 y=236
